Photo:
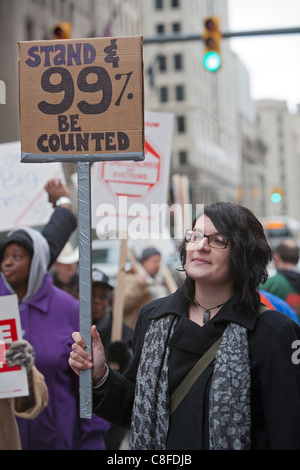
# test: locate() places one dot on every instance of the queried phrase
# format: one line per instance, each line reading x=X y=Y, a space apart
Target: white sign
x=23 y=199
x=13 y=380
x=130 y=197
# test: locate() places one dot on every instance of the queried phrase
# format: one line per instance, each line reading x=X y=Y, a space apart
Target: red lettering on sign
x=130 y=179
x=8 y=334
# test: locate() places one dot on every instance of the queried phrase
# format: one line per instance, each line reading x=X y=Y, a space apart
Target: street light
x=212 y=38
x=62 y=30
x=277 y=195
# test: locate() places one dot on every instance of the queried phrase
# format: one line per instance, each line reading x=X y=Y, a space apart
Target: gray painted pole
x=85 y=284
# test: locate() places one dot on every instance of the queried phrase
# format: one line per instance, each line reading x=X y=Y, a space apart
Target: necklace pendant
x=206 y=316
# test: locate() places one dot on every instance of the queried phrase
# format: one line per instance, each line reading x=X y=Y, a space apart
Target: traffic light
x=277 y=195
x=212 y=39
x=62 y=30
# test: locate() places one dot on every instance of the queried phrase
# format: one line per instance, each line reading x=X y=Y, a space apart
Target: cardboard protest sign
x=81 y=98
x=23 y=200
x=13 y=380
x=130 y=196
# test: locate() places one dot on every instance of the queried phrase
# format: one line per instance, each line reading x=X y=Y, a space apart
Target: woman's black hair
x=250 y=252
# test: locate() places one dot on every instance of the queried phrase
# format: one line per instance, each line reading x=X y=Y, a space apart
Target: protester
x=136 y=295
x=248 y=397
x=103 y=319
x=143 y=283
x=149 y=271
x=48 y=317
x=286 y=282
x=27 y=407
x=65 y=270
x=118 y=353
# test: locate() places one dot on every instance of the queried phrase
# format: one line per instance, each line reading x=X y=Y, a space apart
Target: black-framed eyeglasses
x=215 y=241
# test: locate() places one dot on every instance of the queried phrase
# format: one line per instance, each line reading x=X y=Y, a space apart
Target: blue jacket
x=280 y=305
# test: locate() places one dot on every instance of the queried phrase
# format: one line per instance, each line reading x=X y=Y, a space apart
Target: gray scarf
x=229 y=406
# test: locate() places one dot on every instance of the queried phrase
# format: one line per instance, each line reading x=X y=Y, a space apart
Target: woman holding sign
x=245 y=392
x=48 y=317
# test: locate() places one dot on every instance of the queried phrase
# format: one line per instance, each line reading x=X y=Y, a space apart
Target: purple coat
x=48 y=319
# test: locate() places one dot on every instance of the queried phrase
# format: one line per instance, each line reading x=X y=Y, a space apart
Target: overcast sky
x=273 y=61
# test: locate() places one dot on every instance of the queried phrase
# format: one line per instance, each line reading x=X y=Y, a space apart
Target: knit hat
x=99 y=277
x=150 y=251
x=21 y=238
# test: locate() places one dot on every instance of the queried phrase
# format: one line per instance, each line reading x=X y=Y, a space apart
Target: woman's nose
x=203 y=244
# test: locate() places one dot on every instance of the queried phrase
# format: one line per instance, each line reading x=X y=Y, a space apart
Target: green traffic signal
x=276 y=197
x=211 y=61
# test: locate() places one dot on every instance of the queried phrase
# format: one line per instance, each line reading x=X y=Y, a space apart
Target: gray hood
x=39 y=263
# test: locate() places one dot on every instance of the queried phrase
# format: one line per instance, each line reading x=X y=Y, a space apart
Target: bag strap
x=200 y=366
x=183 y=388
x=262 y=309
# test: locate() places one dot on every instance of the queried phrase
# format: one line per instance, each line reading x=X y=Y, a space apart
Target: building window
x=159 y=4
x=163 y=94
x=178 y=61
x=160 y=28
x=183 y=157
x=162 y=63
x=181 y=124
x=176 y=28
x=174 y=3
x=179 y=93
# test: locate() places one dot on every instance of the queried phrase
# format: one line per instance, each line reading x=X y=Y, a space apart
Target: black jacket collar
x=177 y=304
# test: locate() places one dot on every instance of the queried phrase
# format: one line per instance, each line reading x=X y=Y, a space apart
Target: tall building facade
x=206 y=145
x=281 y=130
x=253 y=192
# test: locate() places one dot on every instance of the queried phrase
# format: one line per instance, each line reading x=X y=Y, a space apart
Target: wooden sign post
x=117 y=323
x=81 y=101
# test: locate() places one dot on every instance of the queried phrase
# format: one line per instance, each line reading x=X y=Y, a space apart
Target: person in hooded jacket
x=286 y=282
x=48 y=317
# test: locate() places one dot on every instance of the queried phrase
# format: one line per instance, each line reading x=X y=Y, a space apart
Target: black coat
x=118 y=351
x=275 y=378
x=58 y=230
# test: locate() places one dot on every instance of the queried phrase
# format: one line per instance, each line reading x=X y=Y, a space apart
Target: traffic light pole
x=161 y=38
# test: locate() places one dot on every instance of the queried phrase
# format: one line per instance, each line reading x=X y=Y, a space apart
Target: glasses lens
x=218 y=241
x=215 y=241
x=193 y=236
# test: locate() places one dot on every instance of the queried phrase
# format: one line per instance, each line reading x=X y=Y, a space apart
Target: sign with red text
x=13 y=380
x=82 y=97
x=130 y=196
